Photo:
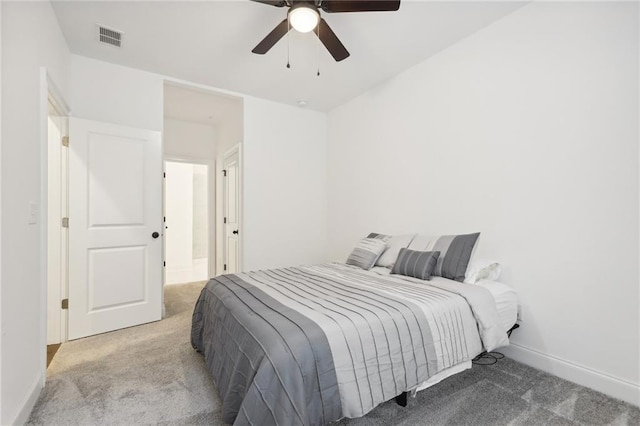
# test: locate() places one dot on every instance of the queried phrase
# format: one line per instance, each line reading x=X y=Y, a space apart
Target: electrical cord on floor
x=490 y=358
x=487 y=358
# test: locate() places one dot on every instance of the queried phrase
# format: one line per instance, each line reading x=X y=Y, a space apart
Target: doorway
x=206 y=127
x=108 y=260
x=186 y=222
x=232 y=209
x=57 y=235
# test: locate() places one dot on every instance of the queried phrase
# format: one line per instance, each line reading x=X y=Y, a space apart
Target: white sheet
x=506 y=301
x=437 y=378
x=506 y=297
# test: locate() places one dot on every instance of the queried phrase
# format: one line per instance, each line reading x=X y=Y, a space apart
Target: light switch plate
x=520 y=309
x=33 y=213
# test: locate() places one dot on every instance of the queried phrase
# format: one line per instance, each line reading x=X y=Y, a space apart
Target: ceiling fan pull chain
x=288 y=42
x=318 y=51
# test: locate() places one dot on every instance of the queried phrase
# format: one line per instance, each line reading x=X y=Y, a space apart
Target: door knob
x=155 y=235
x=235 y=232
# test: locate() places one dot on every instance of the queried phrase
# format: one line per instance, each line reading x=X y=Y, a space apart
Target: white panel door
x=232 y=212
x=115 y=226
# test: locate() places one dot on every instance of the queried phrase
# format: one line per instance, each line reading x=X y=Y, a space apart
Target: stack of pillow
x=418 y=256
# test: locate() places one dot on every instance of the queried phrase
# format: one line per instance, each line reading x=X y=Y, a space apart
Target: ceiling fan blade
x=272 y=38
x=276 y=3
x=331 y=41
x=339 y=6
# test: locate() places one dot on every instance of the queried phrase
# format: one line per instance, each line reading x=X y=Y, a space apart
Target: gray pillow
x=417 y=264
x=366 y=253
x=455 y=252
x=394 y=244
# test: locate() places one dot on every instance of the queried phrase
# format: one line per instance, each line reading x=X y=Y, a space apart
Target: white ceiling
x=210 y=42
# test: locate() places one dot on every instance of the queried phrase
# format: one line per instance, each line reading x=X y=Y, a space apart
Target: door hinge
x=225 y=220
x=164 y=174
x=225 y=266
x=65 y=222
x=65 y=141
x=224 y=172
x=65 y=303
x=164 y=263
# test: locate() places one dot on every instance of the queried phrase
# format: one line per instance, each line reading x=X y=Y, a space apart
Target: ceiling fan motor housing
x=304 y=16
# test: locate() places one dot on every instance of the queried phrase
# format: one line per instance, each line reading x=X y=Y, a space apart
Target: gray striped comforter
x=312 y=344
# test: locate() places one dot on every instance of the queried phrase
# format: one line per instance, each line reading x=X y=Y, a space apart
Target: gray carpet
x=150 y=375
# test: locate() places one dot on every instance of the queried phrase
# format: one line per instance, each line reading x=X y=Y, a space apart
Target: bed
x=312 y=344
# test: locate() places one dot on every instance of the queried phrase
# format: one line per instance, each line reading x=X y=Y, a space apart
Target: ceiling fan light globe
x=303 y=19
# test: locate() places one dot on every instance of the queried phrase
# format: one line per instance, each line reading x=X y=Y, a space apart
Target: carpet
x=149 y=374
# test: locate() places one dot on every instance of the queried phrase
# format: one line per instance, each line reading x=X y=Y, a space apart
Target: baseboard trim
x=585 y=376
x=29 y=402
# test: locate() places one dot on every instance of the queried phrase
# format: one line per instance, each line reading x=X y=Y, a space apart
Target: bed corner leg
x=401 y=399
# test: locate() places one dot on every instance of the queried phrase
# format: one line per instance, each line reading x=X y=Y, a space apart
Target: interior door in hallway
x=115 y=227
x=231 y=202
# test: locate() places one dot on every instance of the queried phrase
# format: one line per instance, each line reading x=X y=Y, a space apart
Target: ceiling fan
x=304 y=16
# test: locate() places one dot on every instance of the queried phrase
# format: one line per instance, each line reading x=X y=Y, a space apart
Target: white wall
x=284 y=185
x=1 y=139
x=31 y=38
x=528 y=132
x=230 y=134
x=183 y=139
x=115 y=94
x=284 y=154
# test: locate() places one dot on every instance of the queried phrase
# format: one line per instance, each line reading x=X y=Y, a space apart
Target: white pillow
x=366 y=253
x=394 y=244
x=482 y=269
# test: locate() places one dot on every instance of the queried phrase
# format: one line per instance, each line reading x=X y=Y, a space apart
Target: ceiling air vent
x=109 y=36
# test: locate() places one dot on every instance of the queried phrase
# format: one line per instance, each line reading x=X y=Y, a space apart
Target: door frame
x=49 y=92
x=222 y=235
x=211 y=206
